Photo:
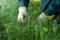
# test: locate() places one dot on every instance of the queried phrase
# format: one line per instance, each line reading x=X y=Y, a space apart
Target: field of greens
x=31 y=29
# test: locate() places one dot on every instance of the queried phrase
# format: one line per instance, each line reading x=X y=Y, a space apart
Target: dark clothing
x=53 y=7
x=23 y=3
x=49 y=7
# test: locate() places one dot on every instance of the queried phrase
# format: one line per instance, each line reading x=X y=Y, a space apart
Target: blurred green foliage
x=32 y=29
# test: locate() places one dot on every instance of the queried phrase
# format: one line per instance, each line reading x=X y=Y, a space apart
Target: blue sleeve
x=44 y=4
x=50 y=7
x=53 y=8
x=23 y=3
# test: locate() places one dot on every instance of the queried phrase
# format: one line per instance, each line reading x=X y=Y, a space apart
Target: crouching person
x=48 y=8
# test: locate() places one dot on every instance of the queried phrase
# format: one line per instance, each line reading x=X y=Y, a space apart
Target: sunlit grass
x=36 y=0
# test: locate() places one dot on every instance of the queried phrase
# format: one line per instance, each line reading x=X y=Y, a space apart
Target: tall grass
x=32 y=29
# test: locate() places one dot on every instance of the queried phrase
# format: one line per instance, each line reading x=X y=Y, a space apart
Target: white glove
x=22 y=13
x=42 y=16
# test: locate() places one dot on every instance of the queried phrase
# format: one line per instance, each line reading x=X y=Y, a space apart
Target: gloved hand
x=42 y=16
x=22 y=14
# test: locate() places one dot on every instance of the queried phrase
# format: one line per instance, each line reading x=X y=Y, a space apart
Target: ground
x=31 y=29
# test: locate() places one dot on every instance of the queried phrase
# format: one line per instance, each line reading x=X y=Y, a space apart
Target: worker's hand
x=42 y=16
x=22 y=14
